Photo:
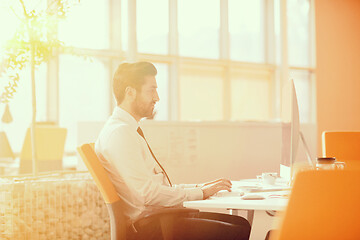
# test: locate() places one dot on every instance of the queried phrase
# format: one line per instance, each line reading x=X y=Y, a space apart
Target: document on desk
x=254 y=186
x=268 y=189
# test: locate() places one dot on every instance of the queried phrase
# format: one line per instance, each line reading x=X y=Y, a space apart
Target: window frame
x=116 y=53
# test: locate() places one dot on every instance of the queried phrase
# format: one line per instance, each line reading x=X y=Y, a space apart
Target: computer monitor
x=291 y=134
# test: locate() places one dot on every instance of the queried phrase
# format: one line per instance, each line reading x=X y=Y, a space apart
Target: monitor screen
x=290 y=129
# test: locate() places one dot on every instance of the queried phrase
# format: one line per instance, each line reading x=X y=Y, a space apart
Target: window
x=277 y=32
x=298 y=15
x=302 y=81
x=7 y=30
x=251 y=95
x=21 y=105
x=246 y=27
x=87 y=25
x=152 y=28
x=84 y=94
x=298 y=52
x=124 y=24
x=194 y=83
x=199 y=36
x=298 y=32
x=162 y=77
x=201 y=93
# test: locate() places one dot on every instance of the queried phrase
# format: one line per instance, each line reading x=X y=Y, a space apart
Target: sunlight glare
x=87 y=25
x=152 y=27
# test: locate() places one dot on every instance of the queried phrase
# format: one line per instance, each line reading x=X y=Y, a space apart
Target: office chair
x=118 y=221
x=50 y=145
x=322 y=205
x=345 y=146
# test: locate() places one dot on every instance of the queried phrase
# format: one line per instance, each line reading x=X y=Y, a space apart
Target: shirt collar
x=123 y=115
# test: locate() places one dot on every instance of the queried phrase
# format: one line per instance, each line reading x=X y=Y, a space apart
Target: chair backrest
x=345 y=146
x=323 y=205
x=98 y=173
x=49 y=142
x=107 y=189
x=50 y=145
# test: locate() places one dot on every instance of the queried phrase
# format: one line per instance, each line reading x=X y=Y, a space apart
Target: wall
x=194 y=152
x=338 y=65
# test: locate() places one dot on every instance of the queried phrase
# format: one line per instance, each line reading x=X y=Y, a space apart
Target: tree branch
x=24 y=8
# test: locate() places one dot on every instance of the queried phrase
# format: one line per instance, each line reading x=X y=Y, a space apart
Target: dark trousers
x=207 y=225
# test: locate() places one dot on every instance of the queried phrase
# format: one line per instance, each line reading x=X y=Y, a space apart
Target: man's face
x=146 y=98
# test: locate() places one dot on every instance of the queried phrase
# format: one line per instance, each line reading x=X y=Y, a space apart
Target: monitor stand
x=286 y=172
x=307 y=151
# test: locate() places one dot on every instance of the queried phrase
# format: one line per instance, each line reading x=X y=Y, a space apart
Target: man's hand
x=213 y=187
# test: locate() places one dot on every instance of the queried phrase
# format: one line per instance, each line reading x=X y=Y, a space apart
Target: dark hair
x=131 y=74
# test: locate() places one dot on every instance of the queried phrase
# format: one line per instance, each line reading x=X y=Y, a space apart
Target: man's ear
x=130 y=93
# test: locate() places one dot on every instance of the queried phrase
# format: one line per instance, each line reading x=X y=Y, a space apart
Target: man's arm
x=213 y=187
x=210 y=188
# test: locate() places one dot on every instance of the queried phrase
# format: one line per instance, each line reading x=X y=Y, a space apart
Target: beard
x=143 y=109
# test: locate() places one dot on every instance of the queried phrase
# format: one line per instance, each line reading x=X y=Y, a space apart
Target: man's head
x=134 y=87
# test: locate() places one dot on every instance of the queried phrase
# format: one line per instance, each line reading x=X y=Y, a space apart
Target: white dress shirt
x=137 y=177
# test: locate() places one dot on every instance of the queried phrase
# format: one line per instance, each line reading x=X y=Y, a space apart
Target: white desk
x=260 y=216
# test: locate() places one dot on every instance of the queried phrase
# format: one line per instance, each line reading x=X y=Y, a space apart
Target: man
x=137 y=175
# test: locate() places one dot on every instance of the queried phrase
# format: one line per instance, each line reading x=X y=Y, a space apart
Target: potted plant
x=35 y=42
